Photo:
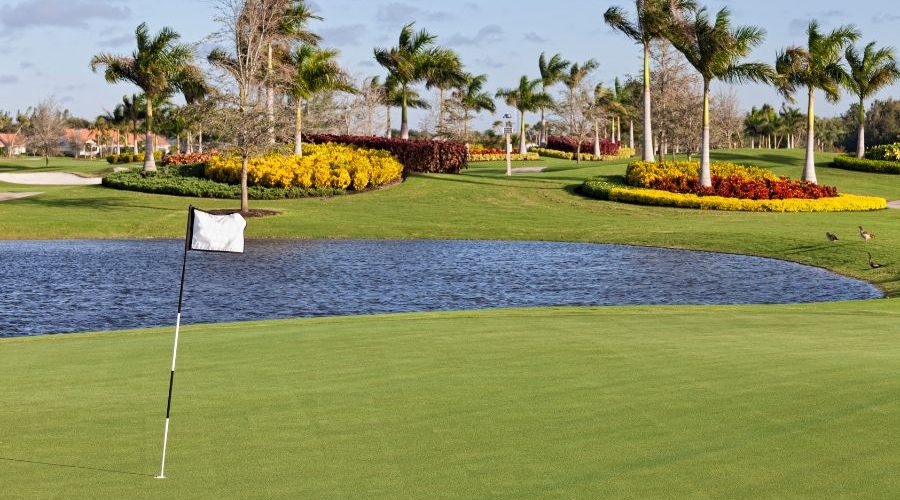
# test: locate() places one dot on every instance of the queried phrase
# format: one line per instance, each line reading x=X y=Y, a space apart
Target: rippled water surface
x=72 y=286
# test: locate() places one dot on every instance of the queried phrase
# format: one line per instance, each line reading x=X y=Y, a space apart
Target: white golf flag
x=217 y=233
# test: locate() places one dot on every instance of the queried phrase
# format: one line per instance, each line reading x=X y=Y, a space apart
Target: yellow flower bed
x=842 y=203
x=643 y=174
x=502 y=157
x=322 y=166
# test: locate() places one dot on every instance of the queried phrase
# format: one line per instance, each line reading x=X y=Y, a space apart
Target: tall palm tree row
x=716 y=50
x=154 y=66
x=816 y=66
x=552 y=72
x=652 y=21
x=472 y=98
x=870 y=71
x=527 y=97
x=409 y=63
x=444 y=71
x=314 y=70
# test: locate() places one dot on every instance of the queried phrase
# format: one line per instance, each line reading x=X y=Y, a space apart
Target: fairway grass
x=662 y=402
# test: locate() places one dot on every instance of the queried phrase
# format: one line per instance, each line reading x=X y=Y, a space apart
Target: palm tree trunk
x=543 y=139
x=270 y=98
x=631 y=134
x=404 y=119
x=389 y=132
x=134 y=133
x=149 y=161
x=440 y=125
x=597 y=138
x=861 y=144
x=619 y=129
x=200 y=137
x=648 y=127
x=298 y=128
x=522 y=149
x=705 y=173
x=466 y=125
x=809 y=169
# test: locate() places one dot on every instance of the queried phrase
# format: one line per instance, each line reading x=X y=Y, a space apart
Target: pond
x=73 y=286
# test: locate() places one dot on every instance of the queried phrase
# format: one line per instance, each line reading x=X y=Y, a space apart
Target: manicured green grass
x=484 y=204
x=23 y=164
x=706 y=402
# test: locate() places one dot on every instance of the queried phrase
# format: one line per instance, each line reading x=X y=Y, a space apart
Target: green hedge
x=599 y=187
x=186 y=180
x=877 y=166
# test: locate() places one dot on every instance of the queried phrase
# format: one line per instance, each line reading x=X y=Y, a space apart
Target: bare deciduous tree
x=46 y=128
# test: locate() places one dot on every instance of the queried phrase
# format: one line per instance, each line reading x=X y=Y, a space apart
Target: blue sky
x=45 y=45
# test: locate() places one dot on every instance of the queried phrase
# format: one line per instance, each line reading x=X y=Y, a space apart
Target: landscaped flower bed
x=887 y=152
x=326 y=170
x=729 y=181
x=624 y=153
x=187 y=158
x=322 y=166
x=415 y=155
x=735 y=188
x=880 y=160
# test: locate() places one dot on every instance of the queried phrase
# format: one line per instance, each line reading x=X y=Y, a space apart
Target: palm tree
x=526 y=97
x=793 y=120
x=195 y=89
x=870 y=72
x=755 y=126
x=154 y=67
x=716 y=50
x=131 y=110
x=314 y=70
x=552 y=72
x=816 y=66
x=573 y=79
x=651 y=21
x=393 y=98
x=295 y=15
x=444 y=72
x=473 y=99
x=408 y=64
x=622 y=99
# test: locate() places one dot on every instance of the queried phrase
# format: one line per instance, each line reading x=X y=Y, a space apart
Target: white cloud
x=63 y=13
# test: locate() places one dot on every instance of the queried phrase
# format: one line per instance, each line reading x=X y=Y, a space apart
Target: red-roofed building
x=89 y=142
x=13 y=144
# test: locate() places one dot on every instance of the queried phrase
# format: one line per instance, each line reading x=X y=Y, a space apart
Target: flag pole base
x=160 y=477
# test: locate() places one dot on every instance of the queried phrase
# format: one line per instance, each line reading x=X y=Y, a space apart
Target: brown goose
x=831 y=237
x=873 y=264
x=865 y=235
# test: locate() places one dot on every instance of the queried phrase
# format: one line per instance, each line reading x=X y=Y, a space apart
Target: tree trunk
x=809 y=169
x=298 y=128
x=389 y=132
x=440 y=125
x=597 y=139
x=543 y=139
x=619 y=130
x=861 y=144
x=270 y=98
x=522 y=148
x=200 y=138
x=466 y=125
x=631 y=134
x=404 y=119
x=149 y=161
x=648 y=127
x=134 y=133
x=705 y=170
x=245 y=199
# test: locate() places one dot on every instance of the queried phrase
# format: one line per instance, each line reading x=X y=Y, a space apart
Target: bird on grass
x=873 y=264
x=865 y=235
x=831 y=237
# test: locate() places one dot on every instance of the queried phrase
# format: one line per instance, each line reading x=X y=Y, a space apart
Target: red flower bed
x=486 y=151
x=736 y=186
x=570 y=145
x=415 y=155
x=187 y=158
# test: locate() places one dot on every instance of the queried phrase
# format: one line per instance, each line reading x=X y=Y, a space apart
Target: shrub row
x=123 y=158
x=887 y=152
x=603 y=189
x=187 y=158
x=477 y=157
x=415 y=155
x=565 y=155
x=170 y=181
x=865 y=165
x=322 y=166
x=570 y=145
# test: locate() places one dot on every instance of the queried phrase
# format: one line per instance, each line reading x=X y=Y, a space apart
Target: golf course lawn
x=639 y=402
x=767 y=401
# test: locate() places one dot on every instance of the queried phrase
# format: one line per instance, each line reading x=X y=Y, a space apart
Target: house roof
x=12 y=140
x=85 y=135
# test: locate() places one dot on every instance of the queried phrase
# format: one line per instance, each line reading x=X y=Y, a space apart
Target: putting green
x=687 y=402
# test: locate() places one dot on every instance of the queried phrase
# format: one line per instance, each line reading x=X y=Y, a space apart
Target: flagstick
x=187 y=243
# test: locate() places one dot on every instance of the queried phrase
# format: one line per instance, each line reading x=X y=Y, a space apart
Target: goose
x=873 y=264
x=865 y=235
x=831 y=237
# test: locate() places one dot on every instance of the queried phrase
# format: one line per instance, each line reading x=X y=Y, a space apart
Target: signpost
x=507 y=130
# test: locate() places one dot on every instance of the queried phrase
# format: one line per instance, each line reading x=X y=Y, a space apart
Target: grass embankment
x=84 y=167
x=662 y=402
x=484 y=204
